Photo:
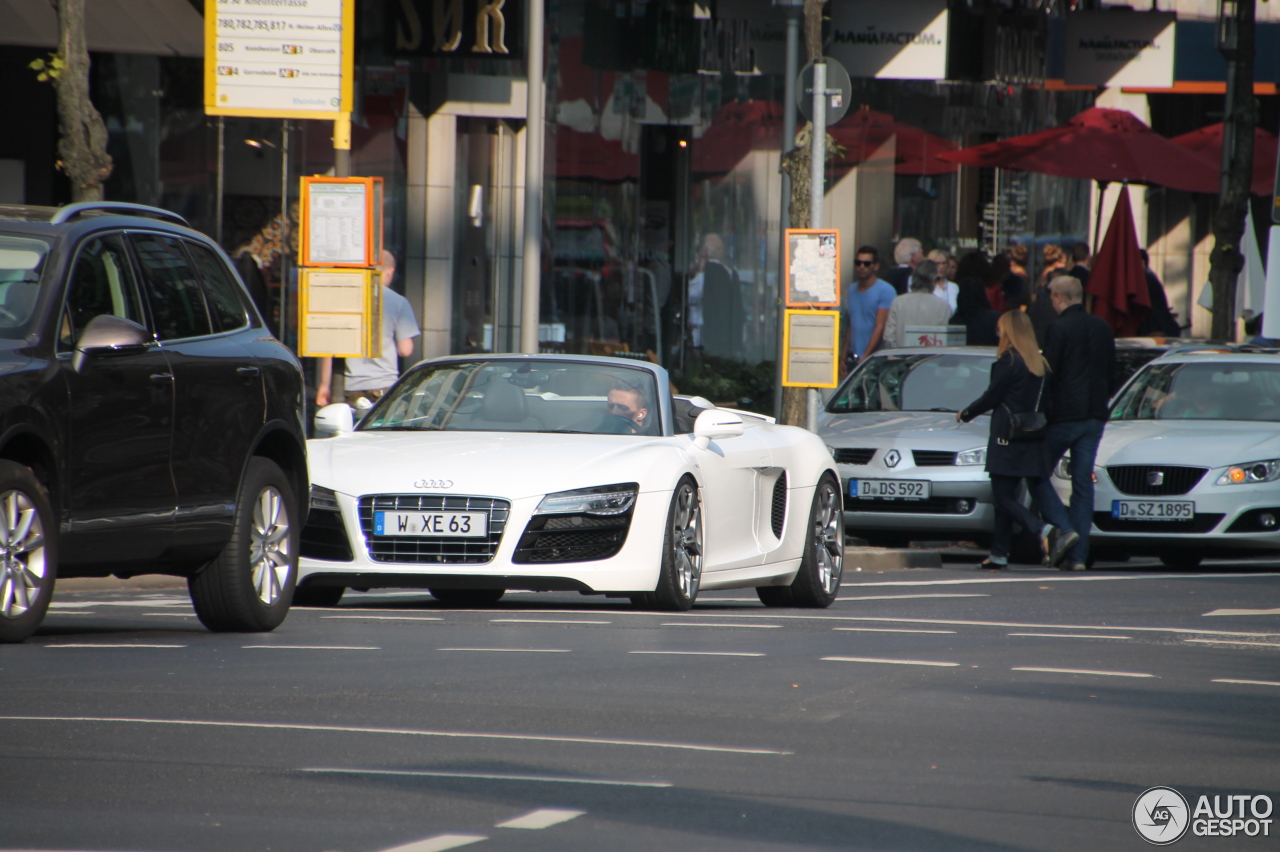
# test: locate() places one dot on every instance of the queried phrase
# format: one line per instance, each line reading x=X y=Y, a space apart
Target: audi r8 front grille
x=1203 y=522
x=572 y=538
x=778 y=514
x=446 y=550
x=854 y=455
x=1146 y=479
x=933 y=458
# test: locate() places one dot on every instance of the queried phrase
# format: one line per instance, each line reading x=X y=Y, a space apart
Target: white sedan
x=478 y=474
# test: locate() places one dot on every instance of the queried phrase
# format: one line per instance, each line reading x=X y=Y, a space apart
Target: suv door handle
x=161 y=377
x=248 y=371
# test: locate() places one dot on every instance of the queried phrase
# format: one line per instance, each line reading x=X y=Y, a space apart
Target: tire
x=467 y=597
x=1181 y=560
x=775 y=595
x=818 y=582
x=29 y=566
x=320 y=596
x=682 y=548
x=248 y=587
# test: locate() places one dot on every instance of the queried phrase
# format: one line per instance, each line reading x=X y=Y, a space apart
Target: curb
x=890 y=559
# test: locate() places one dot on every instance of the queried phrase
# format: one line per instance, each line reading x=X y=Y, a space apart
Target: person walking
x=1080 y=259
x=1081 y=351
x=1017 y=387
x=946 y=289
x=974 y=312
x=866 y=308
x=907 y=253
x=919 y=307
x=370 y=378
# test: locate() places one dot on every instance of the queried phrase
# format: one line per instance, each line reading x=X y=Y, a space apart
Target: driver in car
x=626 y=403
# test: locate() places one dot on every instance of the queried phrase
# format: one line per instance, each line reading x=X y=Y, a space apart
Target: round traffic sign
x=839 y=91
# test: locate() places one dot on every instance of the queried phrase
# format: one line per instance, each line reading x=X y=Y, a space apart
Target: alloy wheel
x=828 y=541
x=22 y=554
x=686 y=534
x=269 y=556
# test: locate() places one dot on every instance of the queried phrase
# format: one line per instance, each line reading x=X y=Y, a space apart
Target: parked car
x=1189 y=464
x=478 y=474
x=149 y=424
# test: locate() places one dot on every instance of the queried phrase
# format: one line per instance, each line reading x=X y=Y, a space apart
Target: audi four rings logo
x=433 y=483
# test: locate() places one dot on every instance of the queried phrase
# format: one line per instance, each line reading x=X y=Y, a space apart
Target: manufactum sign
x=899 y=40
x=1120 y=49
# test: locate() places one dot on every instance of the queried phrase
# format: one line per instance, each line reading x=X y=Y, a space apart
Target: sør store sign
x=463 y=28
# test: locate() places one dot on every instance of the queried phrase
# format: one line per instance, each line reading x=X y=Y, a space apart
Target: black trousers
x=1009 y=510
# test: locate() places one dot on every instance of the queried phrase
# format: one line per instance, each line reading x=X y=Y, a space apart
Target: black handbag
x=1028 y=425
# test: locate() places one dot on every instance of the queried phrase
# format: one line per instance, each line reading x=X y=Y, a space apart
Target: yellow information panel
x=341 y=221
x=811 y=349
x=812 y=263
x=341 y=312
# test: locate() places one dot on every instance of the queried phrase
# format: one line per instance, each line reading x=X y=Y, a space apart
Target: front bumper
x=960 y=502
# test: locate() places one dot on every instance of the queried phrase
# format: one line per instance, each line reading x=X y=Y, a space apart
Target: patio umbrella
x=1117 y=280
x=1207 y=142
x=916 y=151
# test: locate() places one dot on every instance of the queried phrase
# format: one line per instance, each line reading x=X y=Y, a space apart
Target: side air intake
x=778 y=516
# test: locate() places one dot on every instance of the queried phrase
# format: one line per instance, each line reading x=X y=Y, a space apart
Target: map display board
x=812 y=264
x=811 y=349
x=279 y=58
x=341 y=221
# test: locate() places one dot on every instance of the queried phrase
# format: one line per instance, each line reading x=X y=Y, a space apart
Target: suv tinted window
x=101 y=282
x=173 y=290
x=220 y=289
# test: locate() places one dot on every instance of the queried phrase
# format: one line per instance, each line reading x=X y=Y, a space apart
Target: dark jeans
x=1009 y=509
x=1081 y=437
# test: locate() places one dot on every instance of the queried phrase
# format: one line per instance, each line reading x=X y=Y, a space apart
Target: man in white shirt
x=372 y=377
x=945 y=289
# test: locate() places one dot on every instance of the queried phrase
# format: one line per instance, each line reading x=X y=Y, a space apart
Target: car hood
x=1202 y=443
x=925 y=430
x=501 y=464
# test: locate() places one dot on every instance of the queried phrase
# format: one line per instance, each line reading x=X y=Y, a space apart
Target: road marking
x=81 y=612
x=1040 y=578
x=892 y=662
x=146 y=602
x=1050 y=626
x=1275 y=611
x=1249 y=682
x=163 y=614
x=541 y=818
x=1079 y=671
x=1072 y=635
x=703 y=653
x=1233 y=642
x=439 y=843
x=489 y=776
x=543 y=621
x=698 y=624
x=513 y=650
x=409 y=732
x=112 y=645
x=383 y=617
x=310 y=647
x=912 y=597
x=889 y=630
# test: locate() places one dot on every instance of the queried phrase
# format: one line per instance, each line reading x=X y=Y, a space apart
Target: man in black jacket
x=1081 y=351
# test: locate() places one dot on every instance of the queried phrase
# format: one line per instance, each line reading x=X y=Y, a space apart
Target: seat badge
x=1155 y=477
x=892 y=458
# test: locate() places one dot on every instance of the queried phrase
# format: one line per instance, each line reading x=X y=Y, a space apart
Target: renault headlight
x=831 y=450
x=1243 y=474
x=1062 y=469
x=975 y=456
x=604 y=500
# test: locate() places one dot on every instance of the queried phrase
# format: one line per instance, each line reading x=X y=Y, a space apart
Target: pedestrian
x=1014 y=286
x=1017 y=388
x=947 y=290
x=1080 y=259
x=907 y=253
x=976 y=265
x=370 y=378
x=1161 y=322
x=1081 y=351
x=1055 y=263
x=921 y=306
x=866 y=308
x=974 y=312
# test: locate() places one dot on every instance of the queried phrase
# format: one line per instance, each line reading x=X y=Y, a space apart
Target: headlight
x=324 y=498
x=978 y=456
x=1062 y=469
x=1259 y=471
x=605 y=500
x=831 y=450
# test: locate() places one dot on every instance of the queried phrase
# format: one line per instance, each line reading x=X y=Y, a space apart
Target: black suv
x=149 y=421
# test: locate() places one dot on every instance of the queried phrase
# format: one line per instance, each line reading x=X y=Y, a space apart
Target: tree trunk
x=1226 y=261
x=82 y=145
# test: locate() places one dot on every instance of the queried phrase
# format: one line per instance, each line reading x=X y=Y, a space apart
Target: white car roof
x=1271 y=357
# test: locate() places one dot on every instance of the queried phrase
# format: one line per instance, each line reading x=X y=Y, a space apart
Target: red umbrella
x=1106 y=145
x=1207 y=142
x=865 y=130
x=1117 y=280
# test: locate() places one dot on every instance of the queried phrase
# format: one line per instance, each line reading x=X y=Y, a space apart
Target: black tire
x=775 y=595
x=682 y=547
x=818 y=582
x=1181 y=560
x=248 y=587
x=321 y=596
x=28 y=571
x=468 y=597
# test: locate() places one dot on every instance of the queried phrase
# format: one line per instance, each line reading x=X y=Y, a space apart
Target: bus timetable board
x=341 y=221
x=811 y=349
x=812 y=265
x=338 y=308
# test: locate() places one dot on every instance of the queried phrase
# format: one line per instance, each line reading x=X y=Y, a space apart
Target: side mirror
x=108 y=335
x=715 y=425
x=336 y=419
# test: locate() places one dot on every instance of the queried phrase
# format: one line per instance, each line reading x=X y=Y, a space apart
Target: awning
x=155 y=27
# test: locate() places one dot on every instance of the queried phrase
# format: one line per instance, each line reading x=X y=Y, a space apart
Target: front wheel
x=248 y=587
x=682 y=548
x=28 y=552
x=818 y=581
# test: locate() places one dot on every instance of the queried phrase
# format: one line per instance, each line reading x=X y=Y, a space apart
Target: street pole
x=341 y=168
x=284 y=229
x=217 y=201
x=794 y=12
x=817 y=191
x=535 y=130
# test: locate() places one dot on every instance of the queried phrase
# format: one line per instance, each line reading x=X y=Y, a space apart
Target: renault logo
x=892 y=458
x=1155 y=477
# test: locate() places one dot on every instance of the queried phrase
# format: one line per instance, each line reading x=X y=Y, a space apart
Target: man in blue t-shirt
x=866 y=308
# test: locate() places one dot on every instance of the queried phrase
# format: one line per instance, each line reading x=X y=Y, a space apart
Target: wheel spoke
x=9 y=516
x=6 y=595
x=25 y=521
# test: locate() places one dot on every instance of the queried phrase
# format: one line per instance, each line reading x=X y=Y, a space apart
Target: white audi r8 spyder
x=478 y=474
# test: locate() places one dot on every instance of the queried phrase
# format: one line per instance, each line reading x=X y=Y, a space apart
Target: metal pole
x=818 y=160
x=285 y=227
x=788 y=142
x=342 y=146
x=217 y=201
x=534 y=128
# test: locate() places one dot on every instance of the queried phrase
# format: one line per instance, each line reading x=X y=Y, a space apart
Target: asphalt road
x=927 y=710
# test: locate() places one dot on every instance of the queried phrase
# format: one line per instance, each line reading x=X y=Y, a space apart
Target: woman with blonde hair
x=1055 y=263
x=1016 y=449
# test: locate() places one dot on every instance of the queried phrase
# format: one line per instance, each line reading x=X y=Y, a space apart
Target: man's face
x=865 y=267
x=625 y=403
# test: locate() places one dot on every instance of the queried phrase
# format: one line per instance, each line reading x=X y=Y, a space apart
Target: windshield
x=21 y=263
x=521 y=396
x=1204 y=391
x=941 y=382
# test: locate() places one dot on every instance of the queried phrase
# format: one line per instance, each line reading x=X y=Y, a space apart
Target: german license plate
x=889 y=489
x=435 y=524
x=1153 y=510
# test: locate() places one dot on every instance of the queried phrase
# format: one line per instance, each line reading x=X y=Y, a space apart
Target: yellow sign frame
x=327 y=319
x=789 y=235
x=373 y=199
x=787 y=380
